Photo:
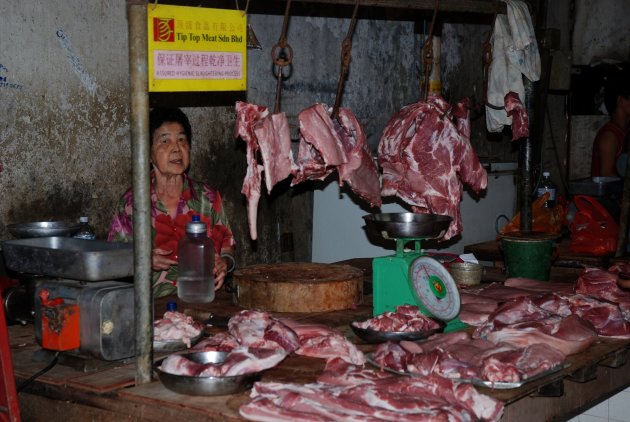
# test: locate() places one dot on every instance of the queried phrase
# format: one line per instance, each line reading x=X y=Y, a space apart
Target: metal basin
x=407 y=225
x=205 y=386
x=43 y=229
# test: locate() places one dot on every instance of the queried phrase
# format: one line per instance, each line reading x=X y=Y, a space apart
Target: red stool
x=9 y=408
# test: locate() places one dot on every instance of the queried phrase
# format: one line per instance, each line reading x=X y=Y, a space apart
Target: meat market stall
x=109 y=393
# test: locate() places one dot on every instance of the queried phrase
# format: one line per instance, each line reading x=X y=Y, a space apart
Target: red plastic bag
x=544 y=220
x=593 y=230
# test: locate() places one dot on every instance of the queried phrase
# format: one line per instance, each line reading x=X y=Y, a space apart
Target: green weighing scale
x=411 y=277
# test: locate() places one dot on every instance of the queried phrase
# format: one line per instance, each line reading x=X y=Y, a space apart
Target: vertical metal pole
x=525 y=166
x=143 y=299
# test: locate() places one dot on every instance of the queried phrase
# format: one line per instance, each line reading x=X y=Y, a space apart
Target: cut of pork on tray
x=407 y=322
x=426 y=156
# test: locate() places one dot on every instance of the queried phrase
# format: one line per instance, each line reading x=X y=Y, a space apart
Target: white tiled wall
x=615 y=409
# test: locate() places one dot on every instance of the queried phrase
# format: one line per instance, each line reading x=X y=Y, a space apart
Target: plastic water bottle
x=85 y=230
x=195 y=283
x=546 y=185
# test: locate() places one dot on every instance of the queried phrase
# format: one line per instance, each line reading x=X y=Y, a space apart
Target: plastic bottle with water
x=195 y=283
x=546 y=185
x=85 y=230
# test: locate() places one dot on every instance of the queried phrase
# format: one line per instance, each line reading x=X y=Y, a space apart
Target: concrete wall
x=64 y=113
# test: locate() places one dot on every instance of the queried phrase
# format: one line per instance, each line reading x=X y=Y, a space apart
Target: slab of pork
x=426 y=156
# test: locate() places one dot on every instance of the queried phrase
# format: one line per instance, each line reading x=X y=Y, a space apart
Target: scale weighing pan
x=407 y=225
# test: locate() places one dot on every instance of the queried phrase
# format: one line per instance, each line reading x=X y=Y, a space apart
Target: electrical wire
x=48 y=367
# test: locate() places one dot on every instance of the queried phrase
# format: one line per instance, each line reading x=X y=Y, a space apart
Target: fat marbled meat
x=426 y=156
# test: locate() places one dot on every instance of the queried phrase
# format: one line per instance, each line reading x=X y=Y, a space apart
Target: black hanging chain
x=346 y=49
x=281 y=56
x=427 y=54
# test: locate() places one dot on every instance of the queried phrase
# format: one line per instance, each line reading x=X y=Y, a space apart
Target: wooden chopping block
x=299 y=287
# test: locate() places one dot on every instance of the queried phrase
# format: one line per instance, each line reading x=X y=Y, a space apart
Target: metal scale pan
x=409 y=277
x=407 y=225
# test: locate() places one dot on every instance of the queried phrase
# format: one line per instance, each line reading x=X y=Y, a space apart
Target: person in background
x=175 y=198
x=609 y=141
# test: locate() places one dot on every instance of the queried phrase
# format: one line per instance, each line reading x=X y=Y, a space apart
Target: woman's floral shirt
x=196 y=198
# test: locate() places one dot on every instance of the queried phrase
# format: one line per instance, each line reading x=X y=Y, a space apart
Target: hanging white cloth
x=514 y=54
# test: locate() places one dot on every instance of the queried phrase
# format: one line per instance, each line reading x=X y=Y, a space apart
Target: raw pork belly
x=261 y=330
x=603 y=285
x=176 y=326
x=319 y=341
x=365 y=395
x=425 y=155
x=407 y=318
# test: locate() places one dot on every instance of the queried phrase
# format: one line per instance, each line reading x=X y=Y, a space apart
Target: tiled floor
x=615 y=409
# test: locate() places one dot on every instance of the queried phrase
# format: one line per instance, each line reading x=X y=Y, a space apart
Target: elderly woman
x=175 y=198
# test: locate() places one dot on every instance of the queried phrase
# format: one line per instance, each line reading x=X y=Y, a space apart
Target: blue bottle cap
x=171 y=306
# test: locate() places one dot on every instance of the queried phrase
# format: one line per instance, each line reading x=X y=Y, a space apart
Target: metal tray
x=205 y=386
x=407 y=225
x=374 y=336
x=67 y=257
x=501 y=385
x=497 y=385
x=596 y=186
x=43 y=229
x=167 y=346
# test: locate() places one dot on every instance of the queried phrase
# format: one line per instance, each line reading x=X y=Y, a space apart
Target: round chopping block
x=299 y=287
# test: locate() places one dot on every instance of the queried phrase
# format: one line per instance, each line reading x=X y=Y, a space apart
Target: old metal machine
x=411 y=276
x=83 y=307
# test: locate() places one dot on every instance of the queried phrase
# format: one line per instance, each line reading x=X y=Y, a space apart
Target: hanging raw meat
x=327 y=144
x=425 y=154
x=269 y=134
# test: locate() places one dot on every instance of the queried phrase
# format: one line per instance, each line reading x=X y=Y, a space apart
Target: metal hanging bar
x=427 y=54
x=282 y=56
x=139 y=124
x=346 y=49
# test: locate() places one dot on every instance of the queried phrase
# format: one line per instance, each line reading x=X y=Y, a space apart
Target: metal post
x=525 y=165
x=139 y=122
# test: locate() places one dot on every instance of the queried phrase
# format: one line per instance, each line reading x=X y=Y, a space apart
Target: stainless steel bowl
x=205 y=386
x=407 y=225
x=43 y=229
x=374 y=336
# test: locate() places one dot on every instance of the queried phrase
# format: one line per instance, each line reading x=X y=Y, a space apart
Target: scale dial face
x=434 y=288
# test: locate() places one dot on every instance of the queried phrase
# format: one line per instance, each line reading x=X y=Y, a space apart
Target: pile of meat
x=406 y=318
x=326 y=144
x=524 y=327
x=260 y=330
x=425 y=154
x=350 y=393
x=177 y=327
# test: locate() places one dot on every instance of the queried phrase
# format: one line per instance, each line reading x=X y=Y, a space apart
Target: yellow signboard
x=196 y=49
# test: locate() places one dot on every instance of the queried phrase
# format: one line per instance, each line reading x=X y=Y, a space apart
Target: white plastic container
x=195 y=283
